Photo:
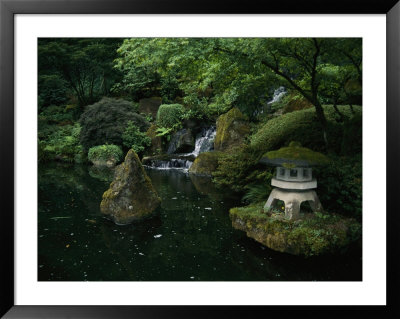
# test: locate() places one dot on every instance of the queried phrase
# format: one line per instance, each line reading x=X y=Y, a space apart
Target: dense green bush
x=133 y=138
x=169 y=114
x=240 y=168
x=105 y=121
x=352 y=136
x=62 y=144
x=55 y=114
x=52 y=90
x=105 y=152
x=302 y=126
x=340 y=185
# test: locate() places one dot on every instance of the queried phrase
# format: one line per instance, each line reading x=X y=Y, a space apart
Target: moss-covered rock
x=181 y=142
x=205 y=164
x=315 y=234
x=232 y=129
x=131 y=195
x=156 y=146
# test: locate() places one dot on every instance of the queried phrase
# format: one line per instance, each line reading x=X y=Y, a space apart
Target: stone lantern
x=294 y=182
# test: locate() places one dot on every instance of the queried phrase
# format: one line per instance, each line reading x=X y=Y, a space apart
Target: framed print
x=165 y=159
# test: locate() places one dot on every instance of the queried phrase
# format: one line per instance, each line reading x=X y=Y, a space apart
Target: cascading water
x=204 y=143
x=173 y=163
x=278 y=94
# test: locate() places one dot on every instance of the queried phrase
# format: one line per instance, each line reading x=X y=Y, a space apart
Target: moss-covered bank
x=205 y=164
x=316 y=234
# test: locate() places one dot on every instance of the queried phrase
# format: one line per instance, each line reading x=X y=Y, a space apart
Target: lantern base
x=293 y=200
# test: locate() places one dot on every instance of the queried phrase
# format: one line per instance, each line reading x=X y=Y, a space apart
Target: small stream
x=188 y=238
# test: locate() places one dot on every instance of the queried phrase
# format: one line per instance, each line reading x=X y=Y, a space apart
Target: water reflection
x=188 y=238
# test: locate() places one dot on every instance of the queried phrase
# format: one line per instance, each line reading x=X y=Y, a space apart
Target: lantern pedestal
x=293 y=199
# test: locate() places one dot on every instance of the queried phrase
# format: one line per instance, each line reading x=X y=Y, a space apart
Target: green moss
x=156 y=144
x=231 y=129
x=320 y=234
x=205 y=164
x=294 y=152
x=304 y=127
x=131 y=195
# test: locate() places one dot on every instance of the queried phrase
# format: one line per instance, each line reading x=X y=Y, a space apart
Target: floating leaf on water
x=60 y=217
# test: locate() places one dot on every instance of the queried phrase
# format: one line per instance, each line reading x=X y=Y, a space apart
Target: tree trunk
x=337 y=111
x=322 y=119
x=351 y=108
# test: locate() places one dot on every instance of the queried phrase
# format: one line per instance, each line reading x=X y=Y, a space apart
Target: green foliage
x=340 y=185
x=169 y=114
x=256 y=193
x=352 y=136
x=105 y=121
x=105 y=152
x=54 y=114
x=52 y=90
x=84 y=66
x=301 y=126
x=162 y=131
x=238 y=168
x=133 y=138
x=62 y=144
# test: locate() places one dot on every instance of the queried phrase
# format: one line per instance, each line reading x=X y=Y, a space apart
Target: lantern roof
x=294 y=155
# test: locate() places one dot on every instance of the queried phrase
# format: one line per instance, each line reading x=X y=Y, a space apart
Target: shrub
x=257 y=193
x=105 y=121
x=240 y=168
x=105 y=152
x=352 y=136
x=340 y=185
x=52 y=90
x=62 y=144
x=54 y=114
x=133 y=138
x=302 y=126
x=169 y=114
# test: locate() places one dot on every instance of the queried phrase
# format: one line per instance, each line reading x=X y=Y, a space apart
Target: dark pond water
x=188 y=238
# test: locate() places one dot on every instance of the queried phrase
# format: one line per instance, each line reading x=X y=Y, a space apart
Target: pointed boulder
x=131 y=195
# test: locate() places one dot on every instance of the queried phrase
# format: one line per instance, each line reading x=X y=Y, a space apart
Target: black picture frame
x=8 y=9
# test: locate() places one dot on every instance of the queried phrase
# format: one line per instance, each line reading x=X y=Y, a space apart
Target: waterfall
x=278 y=95
x=204 y=141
